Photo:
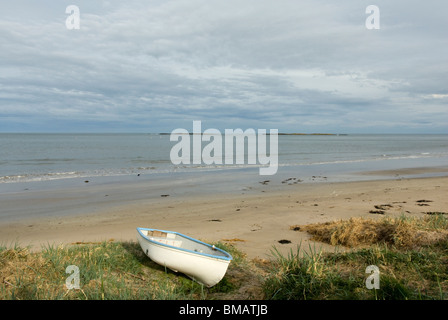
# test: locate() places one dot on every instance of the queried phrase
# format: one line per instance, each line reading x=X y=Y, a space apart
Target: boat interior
x=179 y=241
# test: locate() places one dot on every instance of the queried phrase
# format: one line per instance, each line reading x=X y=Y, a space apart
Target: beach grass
x=410 y=267
x=107 y=271
x=403 y=275
x=403 y=231
x=410 y=253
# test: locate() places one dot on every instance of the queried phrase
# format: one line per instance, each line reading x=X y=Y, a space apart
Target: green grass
x=108 y=271
x=121 y=271
x=407 y=272
x=315 y=275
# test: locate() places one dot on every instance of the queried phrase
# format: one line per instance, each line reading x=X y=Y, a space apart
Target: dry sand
x=254 y=222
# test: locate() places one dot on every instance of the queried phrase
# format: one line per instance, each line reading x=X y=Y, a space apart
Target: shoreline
x=253 y=218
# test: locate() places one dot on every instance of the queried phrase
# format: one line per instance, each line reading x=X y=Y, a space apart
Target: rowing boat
x=200 y=261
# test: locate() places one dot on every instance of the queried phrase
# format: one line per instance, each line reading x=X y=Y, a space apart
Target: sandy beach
x=255 y=220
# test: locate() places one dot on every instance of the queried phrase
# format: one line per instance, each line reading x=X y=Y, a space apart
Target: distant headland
x=280 y=134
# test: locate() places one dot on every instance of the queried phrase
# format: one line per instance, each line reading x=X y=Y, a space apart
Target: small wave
x=383 y=157
x=169 y=168
x=38 y=177
x=34 y=177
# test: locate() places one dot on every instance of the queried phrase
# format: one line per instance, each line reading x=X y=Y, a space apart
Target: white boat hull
x=198 y=260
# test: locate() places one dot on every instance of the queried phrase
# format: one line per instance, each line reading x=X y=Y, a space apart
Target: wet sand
x=254 y=219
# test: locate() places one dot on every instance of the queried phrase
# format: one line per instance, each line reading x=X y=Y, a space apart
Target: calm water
x=39 y=157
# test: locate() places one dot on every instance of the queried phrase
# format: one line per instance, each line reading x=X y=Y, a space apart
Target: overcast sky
x=292 y=65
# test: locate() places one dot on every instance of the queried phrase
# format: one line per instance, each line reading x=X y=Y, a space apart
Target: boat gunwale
x=227 y=257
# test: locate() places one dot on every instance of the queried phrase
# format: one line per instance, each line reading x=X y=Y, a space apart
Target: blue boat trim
x=228 y=258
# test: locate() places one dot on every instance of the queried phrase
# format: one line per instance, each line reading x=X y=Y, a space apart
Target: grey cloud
x=156 y=65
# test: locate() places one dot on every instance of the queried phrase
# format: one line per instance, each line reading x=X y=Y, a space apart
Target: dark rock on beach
x=377 y=211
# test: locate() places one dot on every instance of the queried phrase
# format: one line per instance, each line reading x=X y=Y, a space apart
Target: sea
x=47 y=157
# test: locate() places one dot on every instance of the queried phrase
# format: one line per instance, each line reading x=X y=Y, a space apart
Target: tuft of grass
x=404 y=231
x=411 y=254
x=308 y=276
x=315 y=275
